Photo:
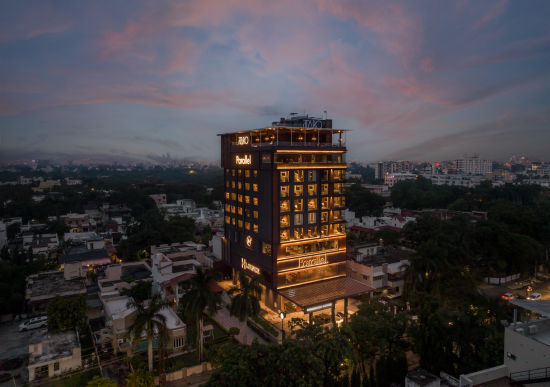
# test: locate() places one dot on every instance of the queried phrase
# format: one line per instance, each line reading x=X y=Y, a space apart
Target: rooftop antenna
x=326 y=115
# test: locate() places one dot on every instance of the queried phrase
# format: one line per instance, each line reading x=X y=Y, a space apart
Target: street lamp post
x=282 y=315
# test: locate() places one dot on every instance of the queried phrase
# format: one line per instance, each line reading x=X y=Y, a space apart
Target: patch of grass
x=186 y=360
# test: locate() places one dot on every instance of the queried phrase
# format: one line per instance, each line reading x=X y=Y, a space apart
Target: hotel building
x=284 y=212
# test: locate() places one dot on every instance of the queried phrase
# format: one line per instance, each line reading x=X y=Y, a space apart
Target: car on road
x=507 y=296
x=534 y=297
x=34 y=323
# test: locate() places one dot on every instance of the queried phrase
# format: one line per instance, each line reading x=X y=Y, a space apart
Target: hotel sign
x=243 y=159
x=243 y=140
x=318 y=307
x=245 y=265
x=312 y=261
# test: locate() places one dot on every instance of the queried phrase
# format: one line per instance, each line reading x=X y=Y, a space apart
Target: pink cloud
x=494 y=12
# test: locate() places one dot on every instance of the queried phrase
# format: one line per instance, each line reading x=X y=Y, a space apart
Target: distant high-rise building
x=384 y=168
x=284 y=212
x=474 y=165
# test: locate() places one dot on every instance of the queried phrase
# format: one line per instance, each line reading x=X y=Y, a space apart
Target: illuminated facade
x=284 y=204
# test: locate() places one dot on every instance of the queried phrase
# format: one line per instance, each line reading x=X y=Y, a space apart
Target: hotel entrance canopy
x=324 y=292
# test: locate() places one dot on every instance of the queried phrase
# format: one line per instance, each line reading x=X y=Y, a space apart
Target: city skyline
x=419 y=81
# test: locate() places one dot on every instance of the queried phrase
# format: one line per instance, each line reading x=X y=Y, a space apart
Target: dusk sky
x=417 y=80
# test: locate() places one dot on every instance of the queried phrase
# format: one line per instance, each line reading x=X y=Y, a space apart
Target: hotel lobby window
x=312 y=189
x=284 y=176
x=285 y=220
x=298 y=219
x=312 y=204
x=298 y=204
x=285 y=205
x=312 y=217
x=324 y=189
x=284 y=191
x=298 y=190
x=299 y=176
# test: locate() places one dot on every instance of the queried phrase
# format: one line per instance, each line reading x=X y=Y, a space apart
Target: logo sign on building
x=314 y=124
x=312 y=261
x=245 y=265
x=243 y=159
x=243 y=140
x=318 y=307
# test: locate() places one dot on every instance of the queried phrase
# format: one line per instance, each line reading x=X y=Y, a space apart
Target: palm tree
x=149 y=320
x=246 y=301
x=198 y=298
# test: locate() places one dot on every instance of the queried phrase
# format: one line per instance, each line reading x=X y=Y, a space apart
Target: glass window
x=299 y=233
x=240 y=198
x=298 y=219
x=266 y=248
x=227 y=219
x=284 y=176
x=312 y=189
x=338 y=201
x=240 y=172
x=233 y=221
x=325 y=203
x=324 y=217
x=325 y=174
x=233 y=184
x=233 y=172
x=255 y=213
x=298 y=190
x=247 y=173
x=338 y=175
x=247 y=199
x=239 y=210
x=227 y=208
x=255 y=173
x=227 y=195
x=255 y=228
x=311 y=176
x=336 y=215
x=312 y=232
x=285 y=205
x=299 y=176
x=312 y=217
x=255 y=201
x=255 y=187
x=232 y=209
x=285 y=221
x=298 y=204
x=233 y=196
x=324 y=230
x=324 y=189
x=247 y=225
x=284 y=191
x=312 y=204
x=247 y=186
x=338 y=188
x=247 y=212
x=227 y=183
x=240 y=222
x=240 y=185
x=284 y=235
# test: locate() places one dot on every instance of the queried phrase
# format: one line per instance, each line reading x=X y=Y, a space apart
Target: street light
x=282 y=315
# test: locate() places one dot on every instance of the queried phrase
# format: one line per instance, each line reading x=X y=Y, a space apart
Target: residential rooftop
x=48 y=347
x=53 y=283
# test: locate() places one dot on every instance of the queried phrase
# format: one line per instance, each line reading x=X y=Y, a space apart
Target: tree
x=98 y=381
x=198 y=299
x=139 y=291
x=245 y=302
x=66 y=313
x=140 y=378
x=148 y=320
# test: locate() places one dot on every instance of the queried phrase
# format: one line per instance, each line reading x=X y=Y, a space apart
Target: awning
x=541 y=307
x=325 y=292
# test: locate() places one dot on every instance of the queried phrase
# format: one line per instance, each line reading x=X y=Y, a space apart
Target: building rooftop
x=80 y=256
x=538 y=330
x=421 y=377
x=135 y=272
x=53 y=346
x=50 y=284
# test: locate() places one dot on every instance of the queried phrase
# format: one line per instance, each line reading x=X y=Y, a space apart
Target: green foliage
x=363 y=201
x=139 y=291
x=67 y=313
x=245 y=302
x=140 y=378
x=98 y=381
x=421 y=193
x=138 y=362
x=234 y=331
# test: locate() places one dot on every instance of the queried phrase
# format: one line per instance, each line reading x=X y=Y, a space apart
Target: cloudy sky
x=421 y=80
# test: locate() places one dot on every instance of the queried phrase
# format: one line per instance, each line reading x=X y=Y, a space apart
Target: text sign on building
x=314 y=124
x=243 y=140
x=243 y=159
x=318 y=307
x=312 y=261
x=245 y=265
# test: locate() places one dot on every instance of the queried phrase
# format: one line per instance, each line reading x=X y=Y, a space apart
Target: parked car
x=534 y=297
x=507 y=296
x=33 y=323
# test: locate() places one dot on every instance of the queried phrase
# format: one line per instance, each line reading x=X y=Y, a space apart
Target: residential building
x=159 y=199
x=43 y=287
x=385 y=168
x=382 y=190
x=53 y=354
x=86 y=258
x=474 y=165
x=284 y=212
x=393 y=178
x=457 y=180
x=79 y=222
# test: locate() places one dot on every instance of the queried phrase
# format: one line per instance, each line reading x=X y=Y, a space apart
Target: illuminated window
x=284 y=191
x=266 y=248
x=312 y=232
x=227 y=208
x=312 y=217
x=340 y=228
x=227 y=183
x=336 y=215
x=233 y=172
x=339 y=201
x=284 y=235
x=324 y=230
x=284 y=176
x=324 y=217
x=312 y=204
x=240 y=210
x=285 y=205
x=338 y=188
x=232 y=209
x=240 y=172
x=240 y=185
x=298 y=204
x=325 y=174
x=227 y=219
x=312 y=189
x=247 y=186
x=240 y=223
x=233 y=221
x=255 y=227
x=298 y=219
x=338 y=174
x=247 y=225
x=227 y=195
x=247 y=212
x=255 y=201
x=240 y=198
x=233 y=184
x=227 y=171
x=285 y=221
x=299 y=233
x=324 y=189
x=325 y=203
x=255 y=187
x=255 y=213
x=299 y=176
x=255 y=173
x=233 y=196
x=247 y=199
x=311 y=176
x=298 y=190
x=247 y=173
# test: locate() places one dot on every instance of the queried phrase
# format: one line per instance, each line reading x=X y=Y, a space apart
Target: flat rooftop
x=54 y=346
x=50 y=284
x=541 y=329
